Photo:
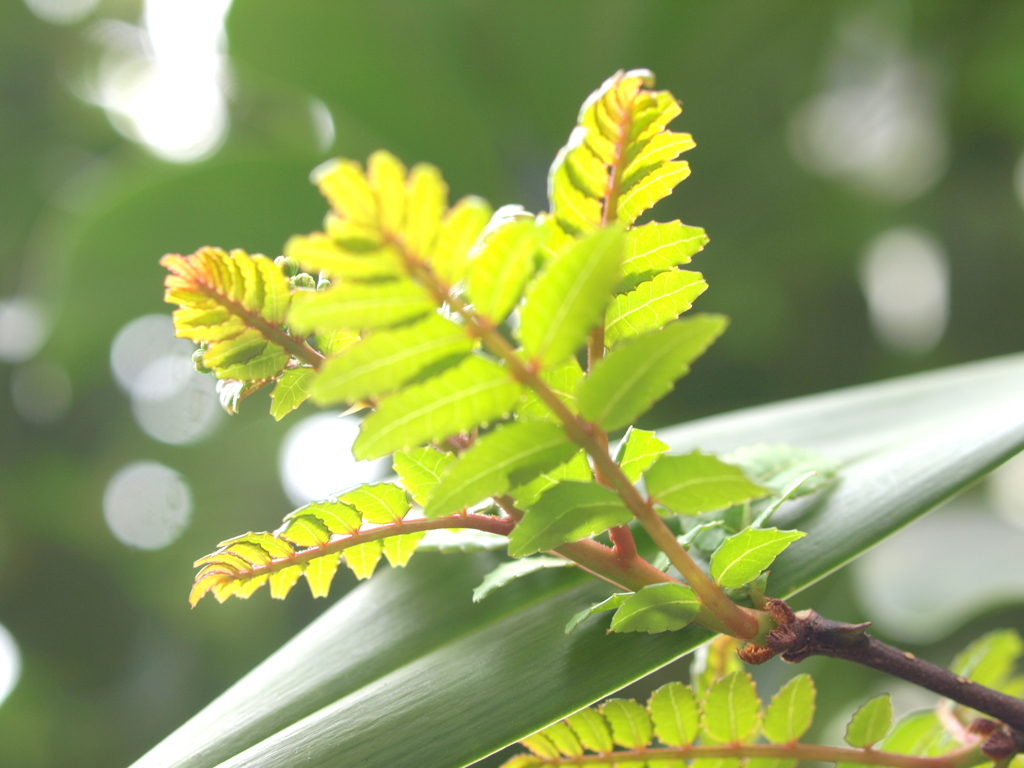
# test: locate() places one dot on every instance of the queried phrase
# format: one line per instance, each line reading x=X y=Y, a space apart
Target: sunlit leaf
x=567 y=512
x=562 y=736
x=458 y=232
x=420 y=469
x=321 y=252
x=359 y=305
x=630 y=722
x=507 y=572
x=637 y=451
x=290 y=392
x=320 y=572
x=656 y=247
x=648 y=190
x=576 y=468
x=474 y=392
x=791 y=711
x=563 y=380
x=569 y=297
x=398 y=549
x=592 y=730
x=639 y=372
x=696 y=482
x=652 y=304
x=388 y=359
x=378 y=503
x=742 y=557
x=362 y=559
x=657 y=608
x=335 y=516
x=498 y=273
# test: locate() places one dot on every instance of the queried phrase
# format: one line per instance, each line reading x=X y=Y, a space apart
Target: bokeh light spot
x=62 y=11
x=10 y=663
x=22 y=329
x=316 y=458
x=147 y=505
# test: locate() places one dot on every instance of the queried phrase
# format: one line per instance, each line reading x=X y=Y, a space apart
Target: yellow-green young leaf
x=475 y=392
x=648 y=190
x=388 y=359
x=563 y=380
x=569 y=297
x=656 y=247
x=652 y=304
x=676 y=715
x=359 y=305
x=247 y=357
x=363 y=558
x=610 y=604
x=335 y=516
x=282 y=581
x=524 y=761
x=564 y=739
x=380 y=503
x=990 y=659
x=305 y=531
x=344 y=185
x=637 y=450
x=507 y=572
x=567 y=512
x=335 y=342
x=631 y=725
x=731 y=710
x=386 y=176
x=657 y=608
x=320 y=572
x=427 y=198
x=541 y=746
x=790 y=714
x=870 y=723
x=290 y=392
x=742 y=557
x=639 y=372
x=592 y=730
x=696 y=483
x=458 y=233
x=776 y=466
x=321 y=252
x=511 y=455
x=919 y=733
x=575 y=468
x=499 y=271
x=420 y=469
x=398 y=549
x=229 y=570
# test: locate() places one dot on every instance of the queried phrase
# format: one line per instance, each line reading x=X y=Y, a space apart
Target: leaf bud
x=323 y=284
x=303 y=282
x=197 y=361
x=289 y=266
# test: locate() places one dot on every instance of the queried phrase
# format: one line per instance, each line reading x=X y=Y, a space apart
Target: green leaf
x=337 y=341
x=459 y=230
x=919 y=733
x=791 y=711
x=641 y=371
x=652 y=304
x=657 y=608
x=575 y=468
x=563 y=379
x=567 y=512
x=562 y=736
x=245 y=357
x=696 y=483
x=474 y=392
x=335 y=516
x=541 y=746
x=631 y=725
x=398 y=549
x=731 y=710
x=609 y=604
x=320 y=572
x=637 y=450
x=290 y=392
x=379 y=503
x=655 y=186
x=906 y=445
x=420 y=469
x=742 y=557
x=388 y=359
x=776 y=466
x=592 y=730
x=990 y=659
x=362 y=559
x=499 y=272
x=507 y=572
x=359 y=305
x=657 y=247
x=321 y=252
x=676 y=715
x=870 y=723
x=569 y=297
x=511 y=455
x=785 y=495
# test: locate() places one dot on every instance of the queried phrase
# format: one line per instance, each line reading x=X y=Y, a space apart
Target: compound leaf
x=791 y=711
x=657 y=608
x=291 y=391
x=420 y=469
x=500 y=270
x=652 y=304
x=507 y=572
x=641 y=371
x=731 y=709
x=388 y=359
x=511 y=455
x=567 y=512
x=630 y=722
x=359 y=305
x=870 y=723
x=637 y=451
x=742 y=557
x=676 y=716
x=576 y=468
x=656 y=247
x=696 y=483
x=474 y=392
x=592 y=730
x=568 y=299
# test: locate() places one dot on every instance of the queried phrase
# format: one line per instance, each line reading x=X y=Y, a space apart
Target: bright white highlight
x=10 y=663
x=877 y=126
x=22 y=329
x=1005 y=491
x=905 y=279
x=163 y=85
x=41 y=392
x=170 y=401
x=147 y=505
x=323 y=124
x=316 y=459
x=62 y=11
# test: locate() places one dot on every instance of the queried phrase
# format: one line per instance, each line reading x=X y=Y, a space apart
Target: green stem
x=961 y=758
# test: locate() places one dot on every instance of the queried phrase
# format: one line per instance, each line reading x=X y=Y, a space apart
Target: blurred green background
x=857 y=169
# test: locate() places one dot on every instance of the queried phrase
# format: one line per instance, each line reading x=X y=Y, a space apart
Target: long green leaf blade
x=638 y=373
x=516 y=569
